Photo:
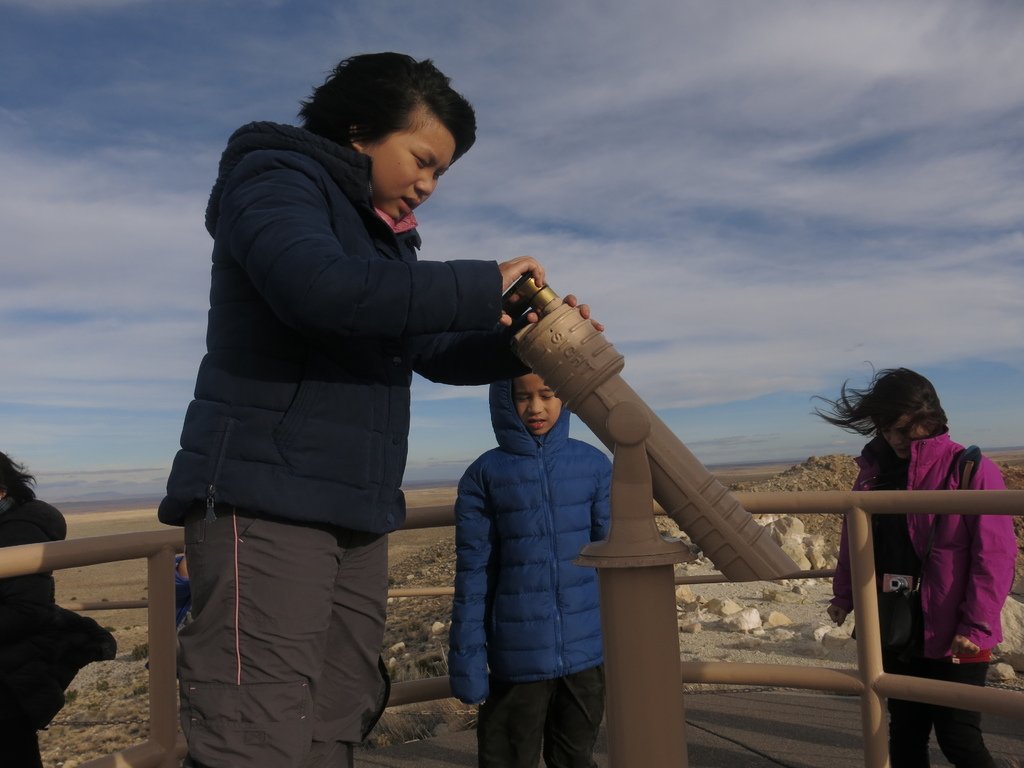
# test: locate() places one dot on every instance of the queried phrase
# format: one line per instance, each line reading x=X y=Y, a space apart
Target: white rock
x=438 y=628
x=746 y=620
x=397 y=648
x=837 y=640
x=820 y=631
x=817 y=559
x=795 y=551
x=776 y=619
x=722 y=607
x=685 y=595
x=786 y=527
x=1011 y=650
x=690 y=627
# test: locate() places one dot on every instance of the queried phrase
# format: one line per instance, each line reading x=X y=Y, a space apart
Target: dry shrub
x=424 y=720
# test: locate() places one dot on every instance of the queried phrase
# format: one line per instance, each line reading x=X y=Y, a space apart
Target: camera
x=896 y=583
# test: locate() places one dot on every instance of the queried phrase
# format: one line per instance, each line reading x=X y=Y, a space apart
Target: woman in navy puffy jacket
x=293 y=450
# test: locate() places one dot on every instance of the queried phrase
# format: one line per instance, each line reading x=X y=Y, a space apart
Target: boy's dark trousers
x=562 y=714
x=958 y=731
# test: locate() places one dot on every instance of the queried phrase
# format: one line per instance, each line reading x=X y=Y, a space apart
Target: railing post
x=163 y=715
x=869 y=646
x=646 y=722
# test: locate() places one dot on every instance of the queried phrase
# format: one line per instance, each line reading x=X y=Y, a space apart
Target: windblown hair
x=892 y=394
x=16 y=480
x=369 y=96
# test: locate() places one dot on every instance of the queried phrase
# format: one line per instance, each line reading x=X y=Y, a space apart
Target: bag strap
x=968 y=462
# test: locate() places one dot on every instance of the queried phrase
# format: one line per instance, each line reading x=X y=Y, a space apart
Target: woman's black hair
x=893 y=394
x=369 y=96
x=15 y=480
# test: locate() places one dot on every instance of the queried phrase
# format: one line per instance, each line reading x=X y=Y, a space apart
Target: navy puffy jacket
x=318 y=316
x=524 y=512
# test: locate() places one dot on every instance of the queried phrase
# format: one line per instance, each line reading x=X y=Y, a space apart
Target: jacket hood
x=349 y=169
x=510 y=431
x=931 y=457
x=40 y=514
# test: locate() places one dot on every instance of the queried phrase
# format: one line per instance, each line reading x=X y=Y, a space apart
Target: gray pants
x=280 y=665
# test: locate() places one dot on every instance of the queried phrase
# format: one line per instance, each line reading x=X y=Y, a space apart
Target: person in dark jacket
x=42 y=646
x=293 y=450
x=962 y=564
x=526 y=625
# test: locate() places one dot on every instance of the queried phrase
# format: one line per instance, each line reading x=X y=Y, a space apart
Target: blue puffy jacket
x=524 y=512
x=319 y=314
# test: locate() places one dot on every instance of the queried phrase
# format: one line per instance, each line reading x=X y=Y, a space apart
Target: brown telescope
x=582 y=367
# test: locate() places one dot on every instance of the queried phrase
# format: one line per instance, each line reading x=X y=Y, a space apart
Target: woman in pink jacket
x=963 y=563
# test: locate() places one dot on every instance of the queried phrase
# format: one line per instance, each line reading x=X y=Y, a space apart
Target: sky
x=761 y=200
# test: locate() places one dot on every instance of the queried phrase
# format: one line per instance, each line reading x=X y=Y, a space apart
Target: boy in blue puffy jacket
x=526 y=623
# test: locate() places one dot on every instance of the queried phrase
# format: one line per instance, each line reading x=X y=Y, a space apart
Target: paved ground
x=760 y=729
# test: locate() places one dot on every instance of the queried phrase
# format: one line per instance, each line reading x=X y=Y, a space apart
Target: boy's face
x=536 y=404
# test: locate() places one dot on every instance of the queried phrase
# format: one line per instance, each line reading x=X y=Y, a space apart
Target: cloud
x=755 y=198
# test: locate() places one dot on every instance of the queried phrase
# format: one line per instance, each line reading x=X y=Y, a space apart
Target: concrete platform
x=760 y=729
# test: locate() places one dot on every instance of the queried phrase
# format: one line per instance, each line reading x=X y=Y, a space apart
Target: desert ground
x=108 y=702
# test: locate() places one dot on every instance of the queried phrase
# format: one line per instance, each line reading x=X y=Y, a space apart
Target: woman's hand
x=963 y=647
x=515 y=268
x=511 y=271
x=584 y=309
x=837 y=614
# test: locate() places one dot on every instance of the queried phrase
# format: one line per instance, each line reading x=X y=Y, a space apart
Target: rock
x=745 y=620
x=837 y=640
x=776 y=619
x=795 y=550
x=685 y=595
x=722 y=607
x=438 y=628
x=786 y=527
x=775 y=596
x=397 y=648
x=1011 y=650
x=1000 y=673
x=820 y=631
x=690 y=627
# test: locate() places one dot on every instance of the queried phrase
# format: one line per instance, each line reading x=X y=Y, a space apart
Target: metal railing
x=165 y=747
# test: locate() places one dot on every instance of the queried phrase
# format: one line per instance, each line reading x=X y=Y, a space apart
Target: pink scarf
x=404 y=224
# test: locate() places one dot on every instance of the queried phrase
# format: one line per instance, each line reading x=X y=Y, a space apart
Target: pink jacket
x=969 y=572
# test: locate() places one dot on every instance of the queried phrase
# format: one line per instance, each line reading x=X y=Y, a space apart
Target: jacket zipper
x=545 y=486
x=211 y=489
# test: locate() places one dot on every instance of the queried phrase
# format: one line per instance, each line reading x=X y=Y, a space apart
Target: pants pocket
x=256 y=725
